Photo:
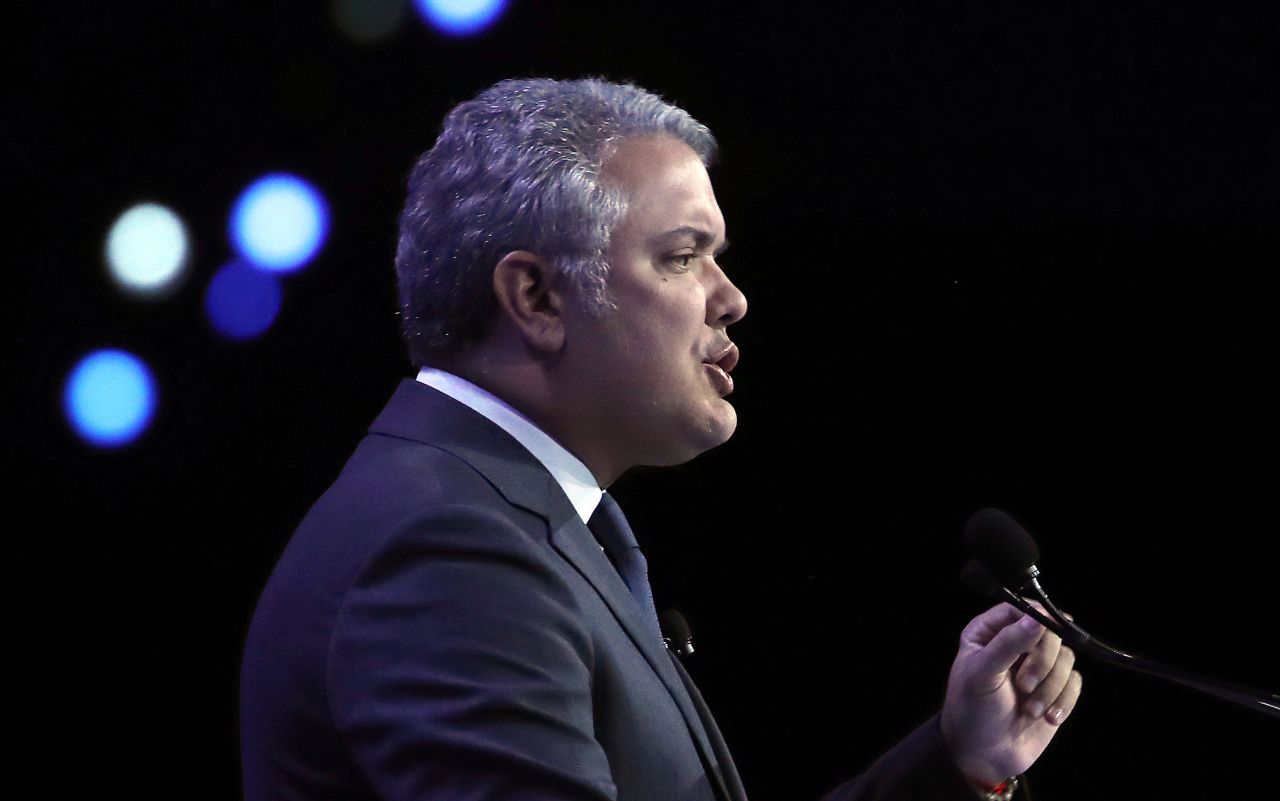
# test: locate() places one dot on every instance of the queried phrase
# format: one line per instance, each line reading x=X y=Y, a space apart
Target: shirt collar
x=570 y=473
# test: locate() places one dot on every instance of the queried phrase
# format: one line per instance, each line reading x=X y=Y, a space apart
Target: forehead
x=666 y=185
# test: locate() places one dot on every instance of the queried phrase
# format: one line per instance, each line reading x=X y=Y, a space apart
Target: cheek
x=661 y=334
x=658 y=367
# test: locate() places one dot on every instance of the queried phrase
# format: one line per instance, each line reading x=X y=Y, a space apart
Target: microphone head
x=1002 y=546
x=675 y=626
x=676 y=632
x=977 y=579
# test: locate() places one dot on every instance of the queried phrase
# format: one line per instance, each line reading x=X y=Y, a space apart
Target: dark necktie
x=611 y=529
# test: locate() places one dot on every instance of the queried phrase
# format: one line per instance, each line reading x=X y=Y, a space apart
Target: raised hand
x=1011 y=685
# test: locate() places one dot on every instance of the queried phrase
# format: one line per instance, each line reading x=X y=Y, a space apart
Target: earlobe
x=530 y=298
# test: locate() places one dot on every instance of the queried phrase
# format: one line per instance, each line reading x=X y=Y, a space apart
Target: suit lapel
x=576 y=544
x=423 y=414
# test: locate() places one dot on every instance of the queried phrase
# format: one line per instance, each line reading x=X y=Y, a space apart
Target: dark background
x=997 y=253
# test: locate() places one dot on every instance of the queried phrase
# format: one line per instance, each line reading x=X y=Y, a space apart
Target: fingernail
x=1055 y=714
x=1035 y=709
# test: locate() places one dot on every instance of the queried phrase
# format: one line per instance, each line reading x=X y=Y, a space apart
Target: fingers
x=1039 y=664
x=987 y=625
x=1006 y=647
x=1045 y=692
x=1061 y=708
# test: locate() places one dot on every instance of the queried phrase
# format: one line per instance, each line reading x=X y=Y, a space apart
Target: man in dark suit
x=464 y=613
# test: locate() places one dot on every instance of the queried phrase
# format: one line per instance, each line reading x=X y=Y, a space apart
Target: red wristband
x=1002 y=791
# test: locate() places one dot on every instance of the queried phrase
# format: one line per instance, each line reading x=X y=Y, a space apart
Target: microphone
x=978 y=579
x=1007 y=554
x=1002 y=546
x=1004 y=566
x=677 y=632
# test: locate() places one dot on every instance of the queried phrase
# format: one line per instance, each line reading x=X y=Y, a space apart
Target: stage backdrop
x=997 y=254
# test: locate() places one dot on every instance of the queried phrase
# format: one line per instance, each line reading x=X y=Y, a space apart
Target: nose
x=726 y=304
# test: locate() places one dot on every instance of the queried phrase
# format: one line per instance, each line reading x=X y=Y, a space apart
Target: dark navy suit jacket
x=442 y=625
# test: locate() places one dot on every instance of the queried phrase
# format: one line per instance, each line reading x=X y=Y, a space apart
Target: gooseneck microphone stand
x=1004 y=568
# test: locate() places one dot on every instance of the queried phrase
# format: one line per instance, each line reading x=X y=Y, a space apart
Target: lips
x=719 y=366
x=726 y=359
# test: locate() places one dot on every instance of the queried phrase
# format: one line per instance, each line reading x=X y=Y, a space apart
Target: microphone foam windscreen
x=1003 y=546
x=676 y=627
x=977 y=579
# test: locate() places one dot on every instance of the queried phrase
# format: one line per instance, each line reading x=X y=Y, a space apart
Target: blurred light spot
x=367 y=21
x=460 y=17
x=147 y=250
x=242 y=302
x=109 y=398
x=279 y=222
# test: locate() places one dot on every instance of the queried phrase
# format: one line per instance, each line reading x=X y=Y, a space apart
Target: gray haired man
x=464 y=613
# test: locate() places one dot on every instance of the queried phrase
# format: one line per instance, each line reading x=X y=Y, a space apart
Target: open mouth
x=719 y=366
x=727 y=359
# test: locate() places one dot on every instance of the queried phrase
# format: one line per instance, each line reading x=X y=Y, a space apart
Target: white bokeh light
x=148 y=249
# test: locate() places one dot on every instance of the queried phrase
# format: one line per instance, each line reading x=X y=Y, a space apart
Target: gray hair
x=518 y=168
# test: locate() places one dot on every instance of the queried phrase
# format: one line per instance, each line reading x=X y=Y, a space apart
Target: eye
x=682 y=261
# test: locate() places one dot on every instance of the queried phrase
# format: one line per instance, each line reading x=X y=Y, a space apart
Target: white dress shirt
x=568 y=470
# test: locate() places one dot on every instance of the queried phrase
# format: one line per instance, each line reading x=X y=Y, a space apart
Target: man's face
x=657 y=366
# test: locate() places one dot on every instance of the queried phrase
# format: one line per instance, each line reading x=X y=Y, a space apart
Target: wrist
x=1002 y=791
x=980 y=774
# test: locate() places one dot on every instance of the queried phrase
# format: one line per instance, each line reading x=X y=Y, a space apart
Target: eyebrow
x=701 y=239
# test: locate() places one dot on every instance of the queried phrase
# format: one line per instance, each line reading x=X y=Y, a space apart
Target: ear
x=530 y=299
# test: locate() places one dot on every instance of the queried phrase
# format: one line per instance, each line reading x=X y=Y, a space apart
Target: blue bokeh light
x=242 y=302
x=279 y=222
x=109 y=398
x=460 y=17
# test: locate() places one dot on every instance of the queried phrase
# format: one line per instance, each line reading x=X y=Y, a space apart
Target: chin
x=690 y=447
x=728 y=424
x=717 y=428
x=691 y=436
